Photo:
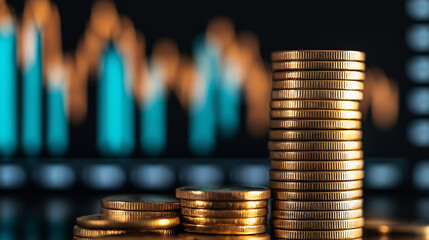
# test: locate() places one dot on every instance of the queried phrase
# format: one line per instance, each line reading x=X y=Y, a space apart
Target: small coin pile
x=237 y=210
x=130 y=214
x=315 y=144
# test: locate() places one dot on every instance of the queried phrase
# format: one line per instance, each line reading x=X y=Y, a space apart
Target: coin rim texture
x=279 y=175
x=316 y=94
x=315 y=124
x=120 y=202
x=280 y=145
x=317 y=65
x=318 y=224
x=318 y=205
x=314 y=135
x=316 y=186
x=224 y=229
x=315 y=104
x=336 y=234
x=316 y=114
x=202 y=193
x=321 y=55
x=225 y=205
x=322 y=165
x=322 y=196
x=224 y=221
x=324 y=75
x=91 y=233
x=196 y=236
x=95 y=222
x=214 y=213
x=127 y=215
x=318 y=84
x=316 y=155
x=317 y=215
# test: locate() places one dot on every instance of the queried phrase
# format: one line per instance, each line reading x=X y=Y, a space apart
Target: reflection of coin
x=390 y=227
x=101 y=221
x=323 y=55
x=125 y=215
x=316 y=186
x=224 y=221
x=224 y=229
x=247 y=213
x=315 y=104
x=239 y=193
x=317 y=94
x=337 y=234
x=316 y=114
x=314 y=145
x=223 y=205
x=316 y=155
x=322 y=196
x=318 y=215
x=318 y=65
x=318 y=84
x=318 y=205
x=316 y=176
x=317 y=165
x=141 y=202
x=329 y=75
x=326 y=135
x=314 y=124
x=191 y=236
x=318 y=224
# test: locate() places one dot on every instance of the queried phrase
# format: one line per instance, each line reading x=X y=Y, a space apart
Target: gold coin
x=223 y=205
x=101 y=221
x=318 y=215
x=316 y=196
x=141 y=202
x=322 y=55
x=327 y=75
x=82 y=232
x=191 y=236
x=318 y=65
x=318 y=224
x=237 y=193
x=317 y=165
x=126 y=215
x=224 y=229
x=315 y=104
x=315 y=124
x=326 y=135
x=316 y=186
x=316 y=176
x=317 y=155
x=316 y=114
x=318 y=84
x=314 y=145
x=319 y=205
x=224 y=221
x=322 y=235
x=155 y=234
x=209 y=213
x=317 y=94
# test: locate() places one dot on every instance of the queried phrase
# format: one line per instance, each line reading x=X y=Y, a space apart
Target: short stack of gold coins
x=315 y=144
x=239 y=210
x=123 y=215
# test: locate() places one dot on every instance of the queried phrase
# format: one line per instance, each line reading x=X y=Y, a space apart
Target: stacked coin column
x=315 y=144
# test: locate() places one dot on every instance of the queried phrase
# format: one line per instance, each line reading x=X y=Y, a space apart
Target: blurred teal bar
x=8 y=89
x=57 y=125
x=202 y=114
x=229 y=102
x=153 y=135
x=111 y=104
x=32 y=99
x=129 y=114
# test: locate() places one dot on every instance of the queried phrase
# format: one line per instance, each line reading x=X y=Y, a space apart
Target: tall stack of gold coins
x=130 y=214
x=237 y=210
x=315 y=144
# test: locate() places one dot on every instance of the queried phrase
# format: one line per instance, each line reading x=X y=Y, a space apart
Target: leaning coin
x=336 y=234
x=224 y=221
x=321 y=55
x=316 y=186
x=318 y=196
x=314 y=124
x=317 y=94
x=317 y=165
x=314 y=145
x=316 y=114
x=101 y=221
x=318 y=224
x=315 y=104
x=316 y=176
x=318 y=215
x=208 y=213
x=227 y=205
x=230 y=193
x=126 y=215
x=141 y=202
x=224 y=229
x=318 y=84
x=319 y=205
x=317 y=155
x=314 y=135
x=318 y=65
x=328 y=75
x=91 y=233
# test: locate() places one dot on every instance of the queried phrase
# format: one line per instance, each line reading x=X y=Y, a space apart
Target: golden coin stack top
x=315 y=144
x=130 y=214
x=237 y=210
